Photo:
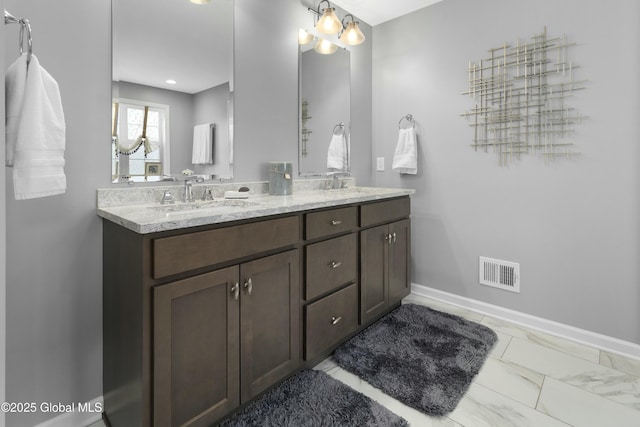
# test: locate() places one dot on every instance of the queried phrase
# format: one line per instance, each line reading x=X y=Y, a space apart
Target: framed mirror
x=325 y=104
x=172 y=97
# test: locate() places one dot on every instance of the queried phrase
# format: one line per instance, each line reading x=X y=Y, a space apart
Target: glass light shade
x=325 y=47
x=329 y=22
x=304 y=37
x=352 y=34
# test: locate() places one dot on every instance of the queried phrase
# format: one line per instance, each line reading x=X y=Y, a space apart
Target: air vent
x=500 y=274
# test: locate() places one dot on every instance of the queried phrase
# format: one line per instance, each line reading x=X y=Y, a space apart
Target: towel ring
x=339 y=127
x=409 y=118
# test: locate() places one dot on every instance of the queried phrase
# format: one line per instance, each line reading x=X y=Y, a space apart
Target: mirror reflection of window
x=130 y=154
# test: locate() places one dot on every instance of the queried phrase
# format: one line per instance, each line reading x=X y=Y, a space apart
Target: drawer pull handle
x=335 y=320
x=335 y=264
x=388 y=238
x=235 y=291
x=394 y=237
x=249 y=286
x=336 y=222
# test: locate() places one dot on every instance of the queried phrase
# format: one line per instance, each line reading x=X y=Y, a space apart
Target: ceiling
x=375 y=12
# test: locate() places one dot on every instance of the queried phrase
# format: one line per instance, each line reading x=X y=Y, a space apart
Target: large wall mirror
x=325 y=104
x=172 y=106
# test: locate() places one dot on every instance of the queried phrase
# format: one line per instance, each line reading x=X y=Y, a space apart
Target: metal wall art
x=520 y=93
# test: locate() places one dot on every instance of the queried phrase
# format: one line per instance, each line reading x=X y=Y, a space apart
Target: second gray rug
x=422 y=357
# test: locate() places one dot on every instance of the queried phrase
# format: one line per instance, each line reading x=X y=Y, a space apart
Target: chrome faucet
x=337 y=182
x=188 y=191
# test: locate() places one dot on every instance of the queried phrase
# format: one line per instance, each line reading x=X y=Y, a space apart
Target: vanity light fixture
x=351 y=34
x=304 y=37
x=170 y=82
x=200 y=1
x=328 y=22
x=325 y=47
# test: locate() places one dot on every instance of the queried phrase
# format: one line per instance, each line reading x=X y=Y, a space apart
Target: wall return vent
x=500 y=274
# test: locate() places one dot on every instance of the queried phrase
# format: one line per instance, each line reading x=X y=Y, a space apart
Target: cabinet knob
x=335 y=320
x=335 y=264
x=336 y=222
x=388 y=238
x=235 y=291
x=248 y=285
x=394 y=237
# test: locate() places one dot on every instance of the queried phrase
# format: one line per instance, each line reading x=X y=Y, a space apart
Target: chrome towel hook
x=24 y=25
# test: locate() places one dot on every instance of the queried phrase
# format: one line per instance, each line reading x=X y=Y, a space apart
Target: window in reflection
x=139 y=140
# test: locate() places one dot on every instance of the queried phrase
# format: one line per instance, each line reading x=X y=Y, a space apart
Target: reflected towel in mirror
x=202 y=144
x=405 y=158
x=338 y=154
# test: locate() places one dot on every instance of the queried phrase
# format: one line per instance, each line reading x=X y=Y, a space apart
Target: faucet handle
x=207 y=194
x=167 y=198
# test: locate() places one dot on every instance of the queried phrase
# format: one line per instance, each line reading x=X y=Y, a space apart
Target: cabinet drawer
x=177 y=254
x=330 y=320
x=330 y=264
x=327 y=223
x=381 y=212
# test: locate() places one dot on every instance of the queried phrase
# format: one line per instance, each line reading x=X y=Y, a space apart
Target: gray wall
x=54 y=245
x=3 y=247
x=573 y=226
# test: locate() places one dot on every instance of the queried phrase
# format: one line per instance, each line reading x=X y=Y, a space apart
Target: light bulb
x=329 y=22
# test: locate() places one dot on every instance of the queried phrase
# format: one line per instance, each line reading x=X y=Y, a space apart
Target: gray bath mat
x=421 y=357
x=314 y=399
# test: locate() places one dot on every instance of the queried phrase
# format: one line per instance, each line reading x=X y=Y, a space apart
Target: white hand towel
x=405 y=159
x=35 y=130
x=338 y=154
x=202 y=145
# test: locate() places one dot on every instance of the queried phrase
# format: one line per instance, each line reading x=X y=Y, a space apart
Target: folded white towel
x=405 y=159
x=202 y=145
x=35 y=130
x=338 y=154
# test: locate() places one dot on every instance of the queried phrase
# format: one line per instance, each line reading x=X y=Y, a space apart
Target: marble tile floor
x=530 y=379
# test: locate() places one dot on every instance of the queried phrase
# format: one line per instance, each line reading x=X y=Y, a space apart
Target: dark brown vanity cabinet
x=330 y=288
x=199 y=321
x=384 y=257
x=222 y=338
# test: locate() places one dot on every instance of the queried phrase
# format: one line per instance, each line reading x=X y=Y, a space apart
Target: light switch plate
x=380 y=164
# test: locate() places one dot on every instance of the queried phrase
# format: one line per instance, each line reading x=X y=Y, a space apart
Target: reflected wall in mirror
x=325 y=104
x=172 y=70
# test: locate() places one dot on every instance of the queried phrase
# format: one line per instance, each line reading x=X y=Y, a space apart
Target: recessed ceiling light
x=171 y=82
x=200 y=1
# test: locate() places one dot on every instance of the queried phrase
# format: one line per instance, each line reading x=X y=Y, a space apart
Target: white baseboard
x=83 y=414
x=594 y=339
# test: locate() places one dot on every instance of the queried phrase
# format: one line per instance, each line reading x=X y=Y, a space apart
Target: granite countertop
x=153 y=217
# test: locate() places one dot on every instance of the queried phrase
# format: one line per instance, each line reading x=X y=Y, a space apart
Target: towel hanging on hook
x=24 y=25
x=337 y=128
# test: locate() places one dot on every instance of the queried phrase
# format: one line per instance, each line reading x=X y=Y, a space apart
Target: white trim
x=77 y=418
x=594 y=339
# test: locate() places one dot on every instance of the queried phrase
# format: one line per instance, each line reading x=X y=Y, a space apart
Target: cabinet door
x=374 y=264
x=196 y=349
x=270 y=321
x=399 y=265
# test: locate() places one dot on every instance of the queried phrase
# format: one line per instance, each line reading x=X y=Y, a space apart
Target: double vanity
x=210 y=303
